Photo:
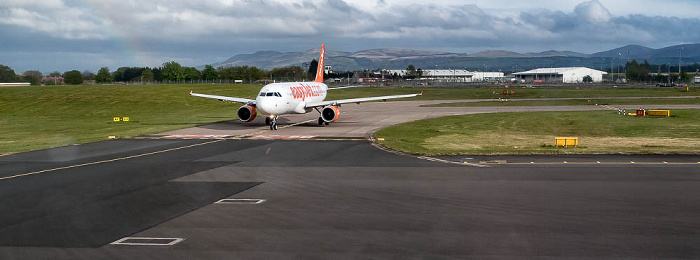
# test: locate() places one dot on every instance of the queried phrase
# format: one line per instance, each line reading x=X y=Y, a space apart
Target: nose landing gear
x=272 y=122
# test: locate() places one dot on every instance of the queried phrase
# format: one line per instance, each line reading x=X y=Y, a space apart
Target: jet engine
x=246 y=113
x=330 y=113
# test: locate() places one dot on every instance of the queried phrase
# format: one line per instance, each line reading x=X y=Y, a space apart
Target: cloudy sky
x=61 y=35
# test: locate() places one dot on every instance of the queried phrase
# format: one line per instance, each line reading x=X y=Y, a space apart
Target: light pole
x=612 y=65
x=680 y=52
x=619 y=57
x=627 y=65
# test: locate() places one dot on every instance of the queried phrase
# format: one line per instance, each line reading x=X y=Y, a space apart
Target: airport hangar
x=456 y=75
x=560 y=75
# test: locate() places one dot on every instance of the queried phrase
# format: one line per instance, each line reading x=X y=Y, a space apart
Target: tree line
x=174 y=72
x=645 y=72
x=168 y=72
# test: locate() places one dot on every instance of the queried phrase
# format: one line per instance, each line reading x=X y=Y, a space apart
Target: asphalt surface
x=341 y=200
x=326 y=192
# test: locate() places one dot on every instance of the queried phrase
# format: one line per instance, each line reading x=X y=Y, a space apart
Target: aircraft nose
x=266 y=106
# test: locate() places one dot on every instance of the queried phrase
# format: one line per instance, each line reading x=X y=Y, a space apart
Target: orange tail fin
x=319 y=70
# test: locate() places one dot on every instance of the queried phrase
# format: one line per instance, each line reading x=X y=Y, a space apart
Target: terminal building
x=456 y=75
x=560 y=75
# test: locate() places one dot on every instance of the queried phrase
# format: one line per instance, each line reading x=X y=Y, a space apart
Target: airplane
x=277 y=99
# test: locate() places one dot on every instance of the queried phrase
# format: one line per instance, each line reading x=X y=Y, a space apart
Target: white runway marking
x=195 y=136
x=282 y=137
x=240 y=201
x=147 y=241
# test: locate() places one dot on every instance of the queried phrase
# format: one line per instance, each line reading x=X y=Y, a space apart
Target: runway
x=338 y=197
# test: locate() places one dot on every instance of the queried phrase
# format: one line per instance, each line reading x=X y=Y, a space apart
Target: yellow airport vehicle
x=566 y=141
x=666 y=113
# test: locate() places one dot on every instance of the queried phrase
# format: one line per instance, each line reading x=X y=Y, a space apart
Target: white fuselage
x=289 y=98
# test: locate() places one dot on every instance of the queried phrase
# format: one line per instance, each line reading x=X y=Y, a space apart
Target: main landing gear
x=272 y=122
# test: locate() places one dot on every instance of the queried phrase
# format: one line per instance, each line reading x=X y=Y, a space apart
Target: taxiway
x=160 y=197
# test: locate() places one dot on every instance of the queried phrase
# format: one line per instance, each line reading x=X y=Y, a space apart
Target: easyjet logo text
x=303 y=91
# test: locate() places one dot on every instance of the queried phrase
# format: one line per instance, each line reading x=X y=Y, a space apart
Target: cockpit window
x=270 y=94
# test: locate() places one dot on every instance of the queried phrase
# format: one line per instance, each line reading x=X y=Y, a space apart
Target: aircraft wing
x=343 y=87
x=223 y=98
x=358 y=100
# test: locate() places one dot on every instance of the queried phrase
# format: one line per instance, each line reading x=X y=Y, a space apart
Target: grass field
x=41 y=117
x=493 y=93
x=534 y=132
x=574 y=102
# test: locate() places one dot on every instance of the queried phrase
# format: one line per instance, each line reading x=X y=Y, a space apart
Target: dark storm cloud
x=664 y=28
x=591 y=21
x=552 y=21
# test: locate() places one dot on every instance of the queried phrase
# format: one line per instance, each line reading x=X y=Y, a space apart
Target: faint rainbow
x=135 y=53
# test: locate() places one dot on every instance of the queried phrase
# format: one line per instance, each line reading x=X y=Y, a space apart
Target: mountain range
x=396 y=58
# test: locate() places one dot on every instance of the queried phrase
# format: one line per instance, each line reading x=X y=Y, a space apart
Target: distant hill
x=396 y=58
x=553 y=53
x=634 y=51
x=510 y=54
x=497 y=54
x=273 y=59
x=389 y=54
x=689 y=51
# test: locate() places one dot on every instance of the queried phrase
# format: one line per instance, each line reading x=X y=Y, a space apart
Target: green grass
x=40 y=117
x=534 y=132
x=574 y=102
x=488 y=93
